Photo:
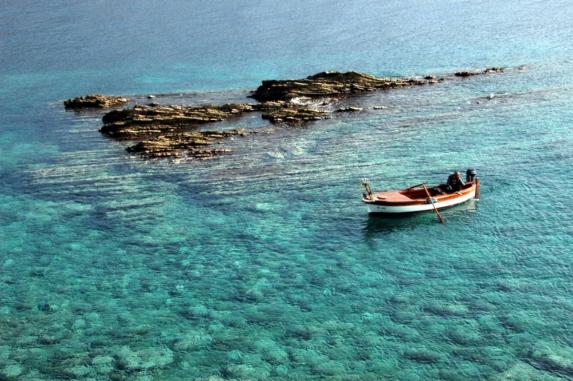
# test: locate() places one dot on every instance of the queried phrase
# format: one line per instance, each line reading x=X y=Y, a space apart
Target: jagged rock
x=272 y=105
x=329 y=84
x=189 y=144
x=164 y=130
x=294 y=116
x=94 y=101
x=143 y=121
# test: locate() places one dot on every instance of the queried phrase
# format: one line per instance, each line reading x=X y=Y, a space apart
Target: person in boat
x=455 y=182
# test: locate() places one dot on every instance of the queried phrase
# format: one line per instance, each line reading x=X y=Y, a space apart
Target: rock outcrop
x=294 y=115
x=332 y=84
x=170 y=131
x=488 y=70
x=94 y=101
x=145 y=121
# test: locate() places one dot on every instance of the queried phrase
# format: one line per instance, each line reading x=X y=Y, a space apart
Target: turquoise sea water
x=263 y=264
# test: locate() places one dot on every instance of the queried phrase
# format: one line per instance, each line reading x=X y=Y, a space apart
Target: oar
x=415 y=186
x=440 y=218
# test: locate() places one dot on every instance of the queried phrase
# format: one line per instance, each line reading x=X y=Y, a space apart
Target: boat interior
x=435 y=191
x=418 y=193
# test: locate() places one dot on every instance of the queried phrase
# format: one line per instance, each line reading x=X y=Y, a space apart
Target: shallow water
x=263 y=264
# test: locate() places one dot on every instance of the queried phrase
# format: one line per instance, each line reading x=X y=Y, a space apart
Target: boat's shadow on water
x=377 y=224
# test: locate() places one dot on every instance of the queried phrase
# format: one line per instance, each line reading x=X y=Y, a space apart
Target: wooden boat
x=421 y=198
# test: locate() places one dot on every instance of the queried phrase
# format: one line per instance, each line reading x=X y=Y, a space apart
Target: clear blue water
x=263 y=264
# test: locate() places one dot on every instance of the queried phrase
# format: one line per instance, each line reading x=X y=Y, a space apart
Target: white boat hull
x=404 y=209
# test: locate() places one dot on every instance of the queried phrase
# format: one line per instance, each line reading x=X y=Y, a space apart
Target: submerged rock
x=246 y=372
x=271 y=352
x=11 y=372
x=94 y=101
x=422 y=355
x=47 y=308
x=78 y=371
x=525 y=372
x=193 y=341
x=466 y=335
x=130 y=360
x=329 y=368
x=103 y=364
x=553 y=358
x=440 y=309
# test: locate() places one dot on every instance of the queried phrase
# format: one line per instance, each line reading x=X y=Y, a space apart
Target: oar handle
x=440 y=218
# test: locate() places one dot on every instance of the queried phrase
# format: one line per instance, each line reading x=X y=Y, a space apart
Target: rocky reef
x=94 y=101
x=173 y=130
